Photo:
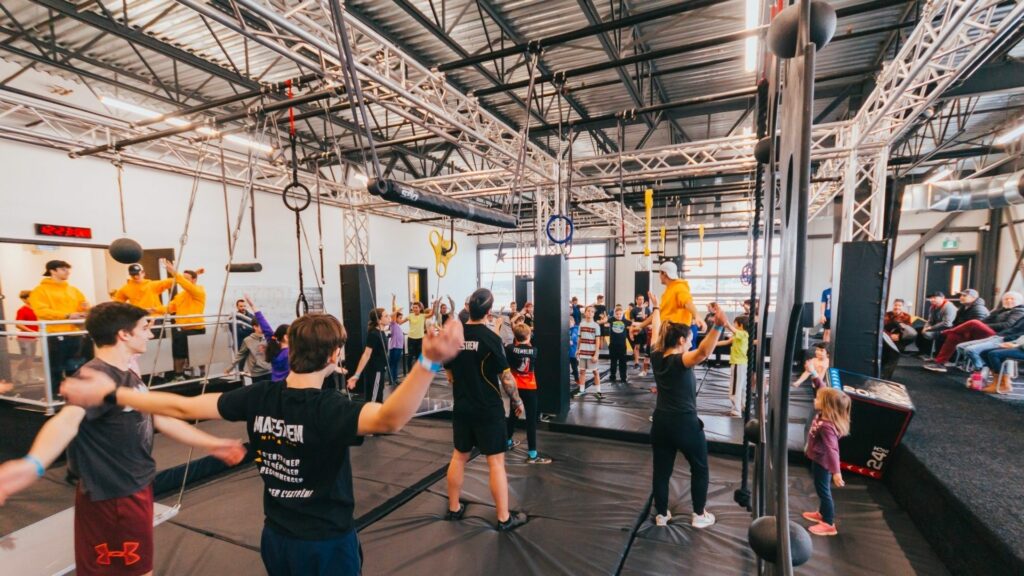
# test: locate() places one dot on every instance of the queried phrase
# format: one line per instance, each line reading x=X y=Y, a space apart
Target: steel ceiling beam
x=136 y=37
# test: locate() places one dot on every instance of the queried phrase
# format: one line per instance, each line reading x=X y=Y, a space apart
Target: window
x=714 y=269
x=587 y=270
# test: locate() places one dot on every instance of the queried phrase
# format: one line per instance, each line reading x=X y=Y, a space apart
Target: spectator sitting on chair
x=975 y=348
x=940 y=317
x=1001 y=382
x=1004 y=317
x=897 y=325
x=971 y=308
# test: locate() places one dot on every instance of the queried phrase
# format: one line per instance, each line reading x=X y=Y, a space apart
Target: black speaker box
x=879 y=415
x=551 y=332
x=358 y=285
x=641 y=284
x=860 y=278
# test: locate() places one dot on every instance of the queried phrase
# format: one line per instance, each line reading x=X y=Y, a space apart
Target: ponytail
x=670 y=334
x=375 y=315
x=276 y=343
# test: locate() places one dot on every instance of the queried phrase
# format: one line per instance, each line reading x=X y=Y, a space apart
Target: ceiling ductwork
x=962 y=195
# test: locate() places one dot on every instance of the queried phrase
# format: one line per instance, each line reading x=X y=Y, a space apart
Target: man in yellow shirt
x=55 y=299
x=676 y=303
x=190 y=300
x=141 y=292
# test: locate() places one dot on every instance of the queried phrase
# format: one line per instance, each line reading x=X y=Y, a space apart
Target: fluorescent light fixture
x=249 y=143
x=359 y=178
x=1012 y=135
x=942 y=174
x=128 y=107
x=204 y=130
x=750 y=43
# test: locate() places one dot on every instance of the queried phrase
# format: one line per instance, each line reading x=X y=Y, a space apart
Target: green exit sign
x=950 y=243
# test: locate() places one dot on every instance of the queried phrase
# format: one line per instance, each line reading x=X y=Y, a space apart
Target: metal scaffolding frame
x=951 y=39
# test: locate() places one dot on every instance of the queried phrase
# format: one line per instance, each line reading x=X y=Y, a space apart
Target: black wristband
x=111 y=399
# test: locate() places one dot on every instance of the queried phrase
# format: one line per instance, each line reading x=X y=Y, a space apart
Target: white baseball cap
x=669 y=269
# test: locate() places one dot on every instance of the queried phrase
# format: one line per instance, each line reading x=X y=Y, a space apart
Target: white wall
x=43 y=185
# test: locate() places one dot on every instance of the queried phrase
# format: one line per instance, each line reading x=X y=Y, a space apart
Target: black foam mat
x=875 y=537
x=582 y=511
x=183 y=551
x=231 y=507
x=43 y=499
x=52 y=493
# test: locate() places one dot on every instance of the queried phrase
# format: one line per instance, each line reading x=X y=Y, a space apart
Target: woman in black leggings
x=676 y=427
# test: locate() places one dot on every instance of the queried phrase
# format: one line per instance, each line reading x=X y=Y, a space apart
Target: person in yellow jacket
x=190 y=300
x=142 y=292
x=55 y=299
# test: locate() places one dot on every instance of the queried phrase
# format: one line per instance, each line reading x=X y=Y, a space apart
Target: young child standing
x=830 y=424
x=588 y=351
x=619 y=332
x=522 y=357
x=738 y=343
x=574 y=341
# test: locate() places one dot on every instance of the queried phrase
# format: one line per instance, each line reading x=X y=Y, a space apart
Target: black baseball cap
x=55 y=265
x=135 y=270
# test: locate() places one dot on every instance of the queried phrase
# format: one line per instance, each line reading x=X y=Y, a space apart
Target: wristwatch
x=111 y=398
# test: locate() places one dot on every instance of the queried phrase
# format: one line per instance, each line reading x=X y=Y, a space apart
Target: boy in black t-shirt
x=109 y=449
x=478 y=416
x=300 y=434
x=522 y=358
x=619 y=328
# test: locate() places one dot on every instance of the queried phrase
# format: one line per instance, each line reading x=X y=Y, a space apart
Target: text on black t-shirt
x=476 y=374
x=300 y=438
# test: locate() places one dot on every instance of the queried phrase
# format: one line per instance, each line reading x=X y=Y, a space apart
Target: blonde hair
x=835 y=407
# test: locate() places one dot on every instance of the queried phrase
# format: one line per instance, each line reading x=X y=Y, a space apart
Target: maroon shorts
x=114 y=537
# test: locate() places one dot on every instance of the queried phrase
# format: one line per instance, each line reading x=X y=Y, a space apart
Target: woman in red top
x=28 y=340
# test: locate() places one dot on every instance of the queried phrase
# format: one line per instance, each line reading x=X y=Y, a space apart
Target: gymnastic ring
x=301 y=204
x=551 y=221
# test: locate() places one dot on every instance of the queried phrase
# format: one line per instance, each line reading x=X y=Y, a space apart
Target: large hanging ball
x=763 y=150
x=126 y=251
x=763 y=538
x=782 y=34
x=752 y=431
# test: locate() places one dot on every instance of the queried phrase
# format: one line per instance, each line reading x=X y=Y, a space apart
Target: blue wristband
x=721 y=329
x=40 y=469
x=432 y=366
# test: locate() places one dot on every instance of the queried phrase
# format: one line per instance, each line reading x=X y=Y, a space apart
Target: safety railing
x=34 y=356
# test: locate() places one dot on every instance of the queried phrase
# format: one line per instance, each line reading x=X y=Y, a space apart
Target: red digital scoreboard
x=63 y=231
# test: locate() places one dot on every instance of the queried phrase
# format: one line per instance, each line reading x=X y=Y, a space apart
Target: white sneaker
x=703 y=521
x=663 y=520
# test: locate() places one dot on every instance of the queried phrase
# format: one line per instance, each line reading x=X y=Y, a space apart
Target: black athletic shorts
x=490 y=436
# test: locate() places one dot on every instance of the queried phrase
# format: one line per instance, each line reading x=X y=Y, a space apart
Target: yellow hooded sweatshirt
x=190 y=300
x=145 y=294
x=55 y=299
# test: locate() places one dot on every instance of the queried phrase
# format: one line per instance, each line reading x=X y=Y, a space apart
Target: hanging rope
x=305 y=197
x=120 y=191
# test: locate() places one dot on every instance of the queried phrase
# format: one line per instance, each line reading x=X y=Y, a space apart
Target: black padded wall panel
x=860 y=276
x=358 y=285
x=641 y=284
x=551 y=332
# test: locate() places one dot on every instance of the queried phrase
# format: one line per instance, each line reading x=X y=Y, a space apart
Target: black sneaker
x=515 y=520
x=599 y=396
x=538 y=460
x=457 y=515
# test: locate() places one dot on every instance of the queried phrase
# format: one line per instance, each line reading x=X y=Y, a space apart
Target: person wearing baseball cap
x=676 y=303
x=142 y=292
x=55 y=299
